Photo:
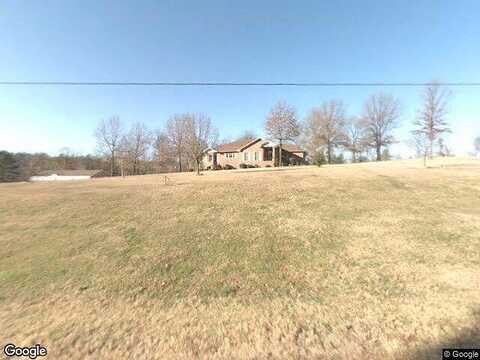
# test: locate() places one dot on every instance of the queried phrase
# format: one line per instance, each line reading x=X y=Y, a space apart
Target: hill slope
x=360 y=261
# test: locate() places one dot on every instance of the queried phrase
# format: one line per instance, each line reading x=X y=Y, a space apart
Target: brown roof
x=292 y=148
x=70 y=172
x=239 y=145
x=236 y=145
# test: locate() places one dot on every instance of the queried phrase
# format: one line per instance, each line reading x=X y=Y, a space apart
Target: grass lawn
x=376 y=260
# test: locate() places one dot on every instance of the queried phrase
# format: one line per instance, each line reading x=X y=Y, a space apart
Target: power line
x=206 y=84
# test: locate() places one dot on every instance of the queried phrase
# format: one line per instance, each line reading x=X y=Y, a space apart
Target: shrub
x=338 y=159
x=243 y=166
x=319 y=158
x=228 y=167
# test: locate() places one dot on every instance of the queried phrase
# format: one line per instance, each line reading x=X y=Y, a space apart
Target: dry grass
x=355 y=261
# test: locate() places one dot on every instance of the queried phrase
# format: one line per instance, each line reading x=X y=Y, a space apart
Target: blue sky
x=264 y=41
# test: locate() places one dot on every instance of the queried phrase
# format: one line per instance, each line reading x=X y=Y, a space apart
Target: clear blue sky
x=265 y=41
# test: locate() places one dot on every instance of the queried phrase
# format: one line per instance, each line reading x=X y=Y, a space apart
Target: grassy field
x=339 y=262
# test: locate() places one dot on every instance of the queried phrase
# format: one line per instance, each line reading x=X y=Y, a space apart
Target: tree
x=380 y=117
x=136 y=144
x=476 y=144
x=354 y=137
x=281 y=124
x=319 y=158
x=325 y=126
x=247 y=134
x=175 y=130
x=9 y=168
x=163 y=152
x=386 y=155
x=431 y=120
x=109 y=135
x=420 y=143
x=199 y=135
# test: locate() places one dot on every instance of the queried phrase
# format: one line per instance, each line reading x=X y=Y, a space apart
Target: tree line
x=179 y=146
x=328 y=127
x=326 y=133
x=20 y=166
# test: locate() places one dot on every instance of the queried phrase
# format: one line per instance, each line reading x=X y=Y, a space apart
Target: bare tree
x=420 y=143
x=354 y=137
x=136 y=144
x=247 y=134
x=431 y=120
x=476 y=144
x=175 y=130
x=282 y=124
x=163 y=152
x=325 y=126
x=109 y=135
x=199 y=135
x=381 y=114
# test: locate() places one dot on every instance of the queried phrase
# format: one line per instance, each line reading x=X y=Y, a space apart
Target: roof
x=239 y=145
x=285 y=146
x=292 y=148
x=236 y=145
x=70 y=172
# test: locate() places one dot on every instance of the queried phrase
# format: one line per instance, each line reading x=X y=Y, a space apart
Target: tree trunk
x=112 y=164
x=280 y=162
x=431 y=149
x=179 y=163
x=198 y=166
x=354 y=157
x=379 y=152
x=329 y=152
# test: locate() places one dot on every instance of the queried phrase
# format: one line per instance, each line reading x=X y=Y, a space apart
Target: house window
x=256 y=156
x=245 y=156
x=230 y=155
x=267 y=154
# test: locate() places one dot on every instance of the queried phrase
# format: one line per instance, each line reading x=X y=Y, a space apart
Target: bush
x=338 y=159
x=250 y=166
x=228 y=167
x=218 y=167
x=243 y=166
x=319 y=158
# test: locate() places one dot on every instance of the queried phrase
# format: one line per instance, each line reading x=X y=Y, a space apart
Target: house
x=62 y=175
x=252 y=153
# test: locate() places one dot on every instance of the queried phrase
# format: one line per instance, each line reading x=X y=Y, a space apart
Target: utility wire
x=206 y=84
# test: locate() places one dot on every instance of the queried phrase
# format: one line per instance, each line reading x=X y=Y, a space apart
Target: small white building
x=66 y=175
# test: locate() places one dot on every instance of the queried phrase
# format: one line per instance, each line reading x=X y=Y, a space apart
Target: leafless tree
x=431 y=120
x=109 y=135
x=476 y=144
x=282 y=124
x=247 y=134
x=381 y=114
x=354 y=137
x=420 y=143
x=325 y=126
x=176 y=130
x=163 y=152
x=135 y=144
x=199 y=135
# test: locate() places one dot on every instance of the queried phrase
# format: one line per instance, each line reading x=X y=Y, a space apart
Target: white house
x=66 y=175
